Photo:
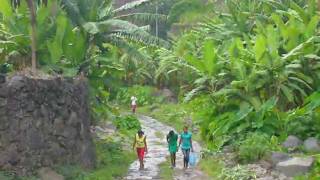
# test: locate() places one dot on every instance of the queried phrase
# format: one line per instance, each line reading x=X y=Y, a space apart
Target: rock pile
x=44 y=122
x=293 y=166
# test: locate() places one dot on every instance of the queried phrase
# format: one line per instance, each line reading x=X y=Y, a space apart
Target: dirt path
x=158 y=152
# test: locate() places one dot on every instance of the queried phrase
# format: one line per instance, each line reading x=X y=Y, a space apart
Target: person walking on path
x=186 y=145
x=172 y=139
x=140 y=144
x=134 y=104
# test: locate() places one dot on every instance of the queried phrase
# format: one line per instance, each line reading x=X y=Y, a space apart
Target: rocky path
x=158 y=153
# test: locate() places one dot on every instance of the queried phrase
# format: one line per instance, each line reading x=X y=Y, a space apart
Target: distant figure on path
x=186 y=141
x=172 y=139
x=140 y=144
x=133 y=104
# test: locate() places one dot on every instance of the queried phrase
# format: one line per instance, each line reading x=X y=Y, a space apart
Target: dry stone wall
x=44 y=122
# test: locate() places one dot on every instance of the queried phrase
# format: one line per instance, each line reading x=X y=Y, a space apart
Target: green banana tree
x=106 y=24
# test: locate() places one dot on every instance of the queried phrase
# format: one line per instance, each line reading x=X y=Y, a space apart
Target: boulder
x=228 y=149
x=292 y=142
x=312 y=145
x=49 y=174
x=277 y=157
x=167 y=94
x=295 y=166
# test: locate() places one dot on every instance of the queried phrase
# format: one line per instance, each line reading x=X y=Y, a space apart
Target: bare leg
x=141 y=163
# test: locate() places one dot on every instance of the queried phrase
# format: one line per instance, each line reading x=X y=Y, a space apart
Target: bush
x=127 y=123
x=254 y=147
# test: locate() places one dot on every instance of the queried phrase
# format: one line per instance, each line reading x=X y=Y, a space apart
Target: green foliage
x=255 y=147
x=207 y=166
x=255 y=64
x=166 y=172
x=235 y=122
x=144 y=94
x=304 y=121
x=186 y=9
x=111 y=162
x=175 y=115
x=130 y=123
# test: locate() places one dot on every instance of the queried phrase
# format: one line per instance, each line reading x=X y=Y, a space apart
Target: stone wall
x=44 y=122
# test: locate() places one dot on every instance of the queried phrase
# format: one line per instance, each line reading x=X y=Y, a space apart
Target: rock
x=73 y=119
x=277 y=157
x=34 y=139
x=312 y=145
x=3 y=91
x=49 y=174
x=292 y=142
x=70 y=133
x=167 y=94
x=16 y=82
x=228 y=149
x=2 y=78
x=295 y=166
x=44 y=122
x=257 y=169
x=265 y=164
x=3 y=102
x=87 y=155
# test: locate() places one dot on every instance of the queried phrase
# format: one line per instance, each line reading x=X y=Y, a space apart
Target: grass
x=112 y=163
x=211 y=166
x=165 y=171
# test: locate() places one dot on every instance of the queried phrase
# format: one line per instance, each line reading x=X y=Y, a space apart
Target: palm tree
x=33 y=34
x=106 y=24
x=102 y=22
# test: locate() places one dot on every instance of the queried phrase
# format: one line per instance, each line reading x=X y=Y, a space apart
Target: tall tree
x=33 y=34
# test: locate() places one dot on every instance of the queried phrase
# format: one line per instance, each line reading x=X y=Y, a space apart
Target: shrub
x=254 y=147
x=127 y=123
x=304 y=121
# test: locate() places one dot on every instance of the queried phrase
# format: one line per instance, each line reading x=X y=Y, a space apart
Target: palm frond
x=127 y=47
x=143 y=17
x=132 y=5
x=72 y=8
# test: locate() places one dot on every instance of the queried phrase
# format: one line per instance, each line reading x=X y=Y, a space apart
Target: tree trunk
x=318 y=5
x=33 y=35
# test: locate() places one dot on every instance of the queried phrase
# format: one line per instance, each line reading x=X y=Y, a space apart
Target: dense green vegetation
x=246 y=73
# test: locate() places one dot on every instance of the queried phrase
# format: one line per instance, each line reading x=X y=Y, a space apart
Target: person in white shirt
x=133 y=104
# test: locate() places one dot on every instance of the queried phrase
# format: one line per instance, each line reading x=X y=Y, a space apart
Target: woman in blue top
x=186 y=145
